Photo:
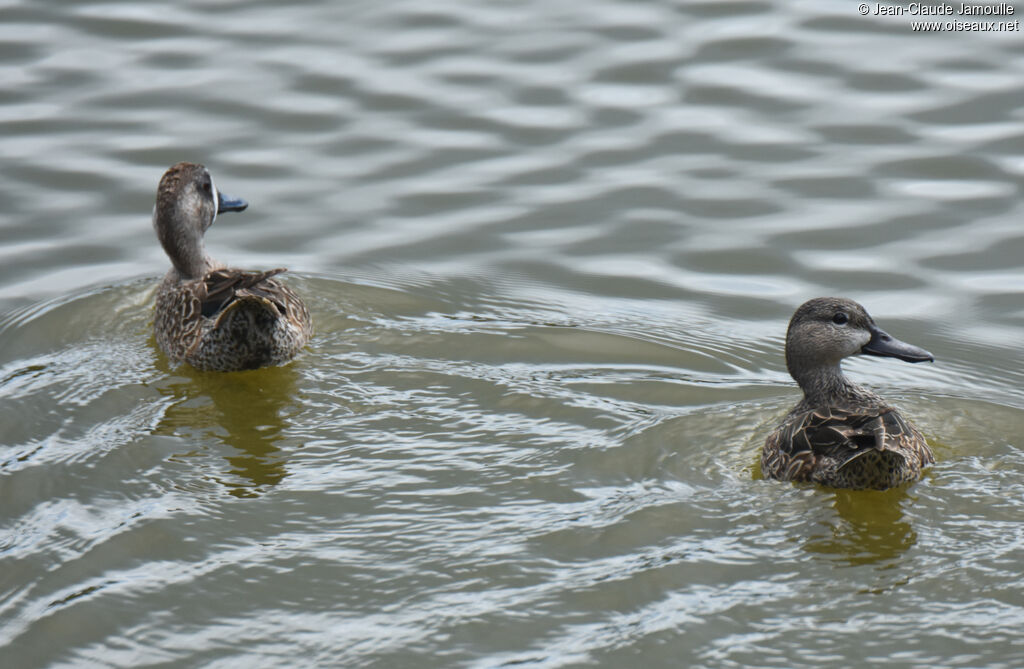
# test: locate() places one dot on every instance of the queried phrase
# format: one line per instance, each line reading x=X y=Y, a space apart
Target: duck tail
x=874 y=456
x=251 y=305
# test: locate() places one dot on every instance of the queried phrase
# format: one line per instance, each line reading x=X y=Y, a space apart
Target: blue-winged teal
x=841 y=434
x=208 y=315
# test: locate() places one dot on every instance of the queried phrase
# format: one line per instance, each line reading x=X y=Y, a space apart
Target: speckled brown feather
x=231 y=320
x=846 y=448
x=841 y=434
x=211 y=317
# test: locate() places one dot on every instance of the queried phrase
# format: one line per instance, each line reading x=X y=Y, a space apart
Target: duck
x=841 y=434
x=208 y=315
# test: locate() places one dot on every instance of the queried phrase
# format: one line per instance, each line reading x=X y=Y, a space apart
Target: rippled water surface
x=551 y=249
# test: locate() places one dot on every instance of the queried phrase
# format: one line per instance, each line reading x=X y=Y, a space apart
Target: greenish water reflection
x=870 y=527
x=245 y=411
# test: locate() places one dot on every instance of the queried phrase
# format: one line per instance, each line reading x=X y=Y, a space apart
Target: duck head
x=187 y=202
x=825 y=330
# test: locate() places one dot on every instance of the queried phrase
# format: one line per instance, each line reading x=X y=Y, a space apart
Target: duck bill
x=883 y=344
x=228 y=203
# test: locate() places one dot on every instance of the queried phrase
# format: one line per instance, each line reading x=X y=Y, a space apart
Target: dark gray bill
x=882 y=344
x=228 y=203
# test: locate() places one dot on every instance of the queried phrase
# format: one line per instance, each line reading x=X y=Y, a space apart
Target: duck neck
x=185 y=247
x=825 y=384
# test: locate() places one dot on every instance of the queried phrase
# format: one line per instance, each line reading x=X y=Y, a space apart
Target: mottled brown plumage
x=841 y=434
x=207 y=315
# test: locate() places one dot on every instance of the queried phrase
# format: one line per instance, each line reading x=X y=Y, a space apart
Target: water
x=551 y=252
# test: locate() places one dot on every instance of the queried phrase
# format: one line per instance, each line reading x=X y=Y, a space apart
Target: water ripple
x=551 y=255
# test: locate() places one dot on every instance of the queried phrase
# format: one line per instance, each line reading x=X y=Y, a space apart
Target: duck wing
x=832 y=431
x=827 y=439
x=221 y=287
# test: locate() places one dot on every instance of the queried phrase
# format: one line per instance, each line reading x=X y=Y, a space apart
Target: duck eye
x=207 y=188
x=841 y=318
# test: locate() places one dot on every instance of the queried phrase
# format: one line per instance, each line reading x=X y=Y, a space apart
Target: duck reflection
x=243 y=410
x=869 y=528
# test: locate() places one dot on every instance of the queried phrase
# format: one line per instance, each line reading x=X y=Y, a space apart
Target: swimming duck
x=208 y=315
x=841 y=434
